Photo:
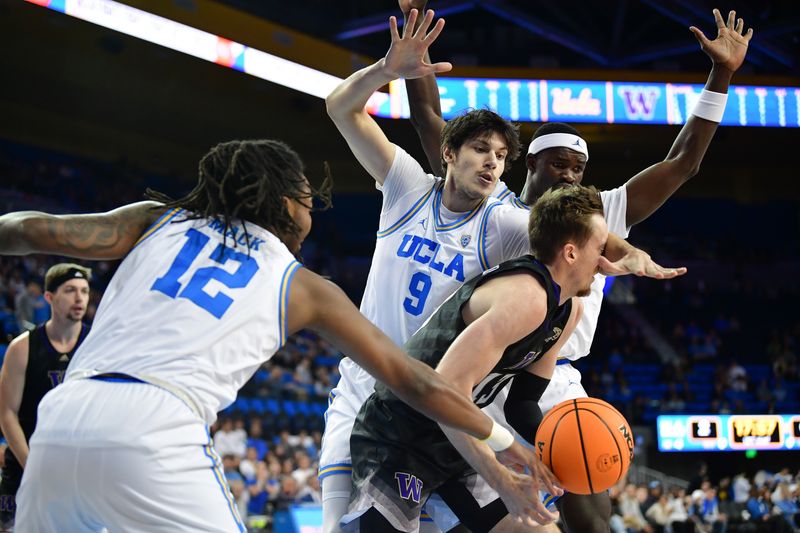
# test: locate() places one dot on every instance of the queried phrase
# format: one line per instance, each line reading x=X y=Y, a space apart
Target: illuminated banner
x=607 y=102
x=519 y=100
x=714 y=433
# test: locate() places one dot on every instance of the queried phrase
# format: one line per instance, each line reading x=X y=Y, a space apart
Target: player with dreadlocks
x=208 y=290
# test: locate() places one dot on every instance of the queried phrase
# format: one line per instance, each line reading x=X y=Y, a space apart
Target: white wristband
x=499 y=439
x=710 y=105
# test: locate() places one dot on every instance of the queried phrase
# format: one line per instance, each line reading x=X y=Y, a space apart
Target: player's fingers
x=731 y=20
x=739 y=26
x=443 y=66
x=718 y=19
x=408 y=28
x=426 y=23
x=749 y=35
x=437 y=29
x=393 y=29
x=699 y=35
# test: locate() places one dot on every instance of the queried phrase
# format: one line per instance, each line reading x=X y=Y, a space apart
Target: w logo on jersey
x=409 y=486
x=640 y=102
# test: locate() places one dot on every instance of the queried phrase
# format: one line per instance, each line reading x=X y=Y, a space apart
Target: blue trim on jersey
x=484 y=261
x=409 y=214
x=439 y=226
x=564 y=361
x=335 y=469
x=504 y=194
x=157 y=225
x=519 y=203
x=209 y=452
x=283 y=301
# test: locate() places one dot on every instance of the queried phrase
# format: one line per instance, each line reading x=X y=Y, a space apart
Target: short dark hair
x=478 y=123
x=248 y=180
x=554 y=127
x=562 y=215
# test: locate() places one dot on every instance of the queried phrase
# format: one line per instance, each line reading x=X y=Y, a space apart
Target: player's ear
x=448 y=154
x=569 y=252
x=48 y=297
x=530 y=162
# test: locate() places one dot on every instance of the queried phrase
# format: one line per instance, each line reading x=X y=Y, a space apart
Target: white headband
x=559 y=140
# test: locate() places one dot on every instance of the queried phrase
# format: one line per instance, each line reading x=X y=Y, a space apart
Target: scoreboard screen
x=709 y=433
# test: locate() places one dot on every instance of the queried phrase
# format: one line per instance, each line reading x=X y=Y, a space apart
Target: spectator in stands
x=229 y=440
x=259 y=489
x=26 y=303
x=631 y=511
x=710 y=513
x=678 y=519
x=658 y=514
x=741 y=488
x=255 y=438
x=786 y=505
x=287 y=496
x=758 y=506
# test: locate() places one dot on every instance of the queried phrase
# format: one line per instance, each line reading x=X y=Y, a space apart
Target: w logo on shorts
x=410 y=486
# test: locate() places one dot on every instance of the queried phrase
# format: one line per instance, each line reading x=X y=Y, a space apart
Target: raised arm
x=12 y=385
x=424 y=102
x=650 y=188
x=108 y=235
x=346 y=104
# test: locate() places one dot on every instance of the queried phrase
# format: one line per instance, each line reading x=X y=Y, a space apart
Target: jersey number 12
x=193 y=290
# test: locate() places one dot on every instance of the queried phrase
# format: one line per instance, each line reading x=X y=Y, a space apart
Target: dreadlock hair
x=248 y=180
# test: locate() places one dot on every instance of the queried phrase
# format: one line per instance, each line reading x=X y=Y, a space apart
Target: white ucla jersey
x=615 y=204
x=188 y=311
x=423 y=253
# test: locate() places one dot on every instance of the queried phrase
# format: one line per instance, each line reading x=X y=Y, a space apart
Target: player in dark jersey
x=508 y=322
x=35 y=363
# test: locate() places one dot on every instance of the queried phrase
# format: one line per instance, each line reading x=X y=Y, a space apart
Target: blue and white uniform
x=423 y=254
x=184 y=323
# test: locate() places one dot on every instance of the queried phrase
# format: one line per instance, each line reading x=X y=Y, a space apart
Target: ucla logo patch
x=465 y=240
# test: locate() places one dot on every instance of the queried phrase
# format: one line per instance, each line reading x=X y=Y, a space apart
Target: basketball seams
x=613 y=437
x=552 y=442
x=583 y=448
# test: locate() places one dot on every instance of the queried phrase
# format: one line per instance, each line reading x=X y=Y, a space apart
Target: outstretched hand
x=730 y=47
x=406 y=55
x=638 y=263
x=527 y=503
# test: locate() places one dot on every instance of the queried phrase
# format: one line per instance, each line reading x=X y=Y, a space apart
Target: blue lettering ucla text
x=426 y=251
x=233 y=234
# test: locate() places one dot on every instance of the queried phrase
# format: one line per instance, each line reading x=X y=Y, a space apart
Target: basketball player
x=35 y=363
x=207 y=291
x=509 y=321
x=434 y=233
x=557 y=156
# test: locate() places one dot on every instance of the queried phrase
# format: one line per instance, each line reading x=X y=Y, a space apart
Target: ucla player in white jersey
x=557 y=156
x=208 y=290
x=435 y=233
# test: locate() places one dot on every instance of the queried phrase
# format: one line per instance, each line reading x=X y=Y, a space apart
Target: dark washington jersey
x=45 y=370
x=384 y=418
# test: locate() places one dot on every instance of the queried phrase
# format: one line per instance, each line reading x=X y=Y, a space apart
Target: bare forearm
x=13 y=433
x=350 y=96
x=13 y=238
x=478 y=455
x=617 y=247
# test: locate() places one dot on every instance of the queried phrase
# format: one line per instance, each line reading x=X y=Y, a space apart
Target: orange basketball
x=586 y=443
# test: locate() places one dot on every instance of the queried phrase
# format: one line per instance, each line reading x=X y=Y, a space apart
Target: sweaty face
x=554 y=167
x=70 y=300
x=477 y=165
x=588 y=263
